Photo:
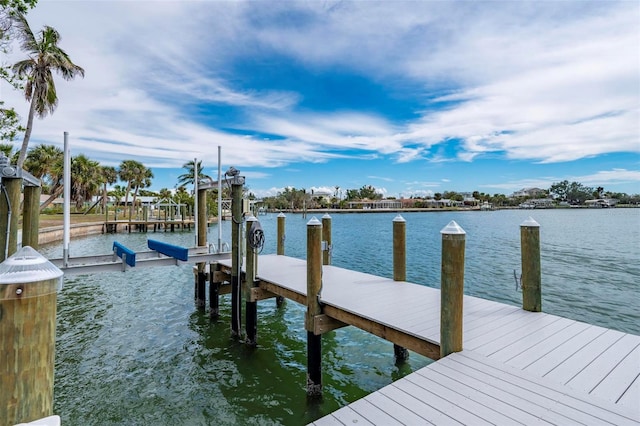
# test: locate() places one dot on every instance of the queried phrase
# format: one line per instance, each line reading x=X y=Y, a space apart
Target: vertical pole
x=9 y=225
x=219 y=199
x=280 y=249
x=31 y=216
x=66 y=229
x=281 y=237
x=214 y=293
x=201 y=232
x=202 y=217
x=314 y=283
x=236 y=255
x=196 y=194
x=326 y=239
x=531 y=272
x=251 y=307
x=451 y=288
x=399 y=269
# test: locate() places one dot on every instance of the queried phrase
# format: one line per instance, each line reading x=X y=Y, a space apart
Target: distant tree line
x=573 y=193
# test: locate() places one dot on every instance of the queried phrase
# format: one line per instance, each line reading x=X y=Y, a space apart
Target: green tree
x=9 y=120
x=188 y=177
x=142 y=180
x=129 y=171
x=108 y=175
x=45 y=56
x=41 y=161
x=85 y=180
x=571 y=192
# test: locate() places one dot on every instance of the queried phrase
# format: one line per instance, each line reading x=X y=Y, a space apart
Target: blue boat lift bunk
x=124 y=258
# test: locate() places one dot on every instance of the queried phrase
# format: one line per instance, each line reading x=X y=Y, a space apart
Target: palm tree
x=143 y=180
x=42 y=159
x=85 y=179
x=188 y=177
x=108 y=176
x=45 y=56
x=128 y=172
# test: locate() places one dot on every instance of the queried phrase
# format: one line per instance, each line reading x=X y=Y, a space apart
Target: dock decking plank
x=533 y=354
x=620 y=378
x=601 y=367
x=516 y=367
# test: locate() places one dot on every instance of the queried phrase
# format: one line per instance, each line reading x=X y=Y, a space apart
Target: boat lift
x=123 y=258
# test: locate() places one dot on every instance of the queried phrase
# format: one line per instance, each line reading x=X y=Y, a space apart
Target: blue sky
x=410 y=97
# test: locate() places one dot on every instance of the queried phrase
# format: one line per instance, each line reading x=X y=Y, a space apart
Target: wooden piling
x=27 y=339
x=214 y=292
x=326 y=239
x=12 y=190
x=236 y=256
x=280 y=249
x=314 y=284
x=451 y=288
x=531 y=272
x=400 y=269
x=251 y=307
x=201 y=281
x=31 y=216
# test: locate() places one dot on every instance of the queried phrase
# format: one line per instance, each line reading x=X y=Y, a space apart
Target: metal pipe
x=219 y=199
x=67 y=200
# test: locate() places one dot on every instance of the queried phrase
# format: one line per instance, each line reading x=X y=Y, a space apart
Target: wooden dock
x=516 y=367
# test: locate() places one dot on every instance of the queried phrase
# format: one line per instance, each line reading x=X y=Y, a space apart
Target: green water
x=133 y=350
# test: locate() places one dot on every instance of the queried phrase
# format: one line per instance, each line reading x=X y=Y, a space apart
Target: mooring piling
x=530 y=259
x=326 y=239
x=280 y=236
x=314 y=284
x=236 y=256
x=201 y=241
x=451 y=288
x=28 y=286
x=280 y=247
x=251 y=306
x=31 y=216
x=400 y=269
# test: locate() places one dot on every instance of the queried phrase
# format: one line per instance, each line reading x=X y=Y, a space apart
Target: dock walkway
x=517 y=367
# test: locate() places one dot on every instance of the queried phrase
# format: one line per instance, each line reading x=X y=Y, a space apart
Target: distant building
x=528 y=192
x=375 y=204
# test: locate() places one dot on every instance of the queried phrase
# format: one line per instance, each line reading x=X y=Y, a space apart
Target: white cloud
x=552 y=82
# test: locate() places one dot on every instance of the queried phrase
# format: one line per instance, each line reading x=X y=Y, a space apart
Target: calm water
x=131 y=348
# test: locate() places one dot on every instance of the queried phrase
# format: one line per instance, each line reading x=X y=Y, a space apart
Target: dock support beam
x=451 y=288
x=251 y=307
x=531 y=273
x=280 y=248
x=314 y=283
x=214 y=292
x=236 y=255
x=400 y=269
x=326 y=239
x=31 y=216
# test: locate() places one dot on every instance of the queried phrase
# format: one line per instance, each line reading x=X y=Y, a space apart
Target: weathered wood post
x=400 y=269
x=326 y=239
x=236 y=254
x=251 y=307
x=201 y=281
x=451 y=288
x=280 y=248
x=28 y=286
x=314 y=283
x=9 y=214
x=531 y=272
x=31 y=216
